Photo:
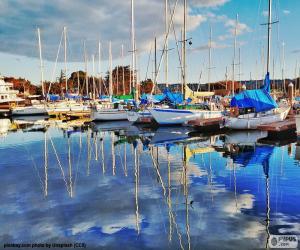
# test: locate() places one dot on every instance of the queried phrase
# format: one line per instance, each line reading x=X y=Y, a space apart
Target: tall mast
x=86 y=70
x=133 y=49
x=99 y=66
x=41 y=62
x=155 y=61
x=269 y=35
x=209 y=57
x=65 y=39
x=283 y=67
x=110 y=73
x=184 y=48
x=78 y=83
x=167 y=45
x=234 y=51
x=239 y=65
x=94 y=84
x=123 y=70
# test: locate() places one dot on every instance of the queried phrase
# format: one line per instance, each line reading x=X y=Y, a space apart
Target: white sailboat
x=180 y=116
x=34 y=109
x=252 y=108
x=108 y=111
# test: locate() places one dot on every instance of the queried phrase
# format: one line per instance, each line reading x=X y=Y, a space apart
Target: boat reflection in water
x=113 y=185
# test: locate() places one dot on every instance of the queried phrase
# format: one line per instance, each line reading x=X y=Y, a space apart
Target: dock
x=288 y=124
x=209 y=124
x=280 y=130
x=70 y=115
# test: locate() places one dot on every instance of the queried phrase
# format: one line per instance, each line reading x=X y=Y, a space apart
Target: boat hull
x=108 y=115
x=138 y=116
x=297 y=118
x=169 y=116
x=249 y=122
x=22 y=111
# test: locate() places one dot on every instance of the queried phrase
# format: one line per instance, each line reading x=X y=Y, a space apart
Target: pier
x=211 y=124
x=280 y=130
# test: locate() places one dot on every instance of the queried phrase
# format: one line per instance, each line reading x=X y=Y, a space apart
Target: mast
x=167 y=44
x=110 y=73
x=234 y=51
x=269 y=35
x=78 y=83
x=283 y=67
x=184 y=48
x=155 y=60
x=65 y=41
x=133 y=50
x=209 y=57
x=41 y=62
x=240 y=65
x=99 y=67
x=86 y=70
x=123 y=70
x=94 y=84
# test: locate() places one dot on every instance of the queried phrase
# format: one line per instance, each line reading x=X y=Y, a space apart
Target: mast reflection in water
x=113 y=185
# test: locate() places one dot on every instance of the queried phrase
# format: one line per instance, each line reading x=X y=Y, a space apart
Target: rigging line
x=77 y=167
x=120 y=156
x=56 y=60
x=164 y=48
x=59 y=164
x=149 y=58
x=158 y=173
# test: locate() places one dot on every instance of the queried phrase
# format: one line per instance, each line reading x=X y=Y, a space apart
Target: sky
x=110 y=20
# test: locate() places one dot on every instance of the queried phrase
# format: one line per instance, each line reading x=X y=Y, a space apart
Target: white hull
x=136 y=116
x=108 y=115
x=167 y=116
x=79 y=108
x=252 y=121
x=297 y=117
x=30 y=110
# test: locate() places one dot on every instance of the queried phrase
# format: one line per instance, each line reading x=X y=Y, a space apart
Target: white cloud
x=106 y=20
x=286 y=12
x=214 y=45
x=265 y=13
x=208 y=3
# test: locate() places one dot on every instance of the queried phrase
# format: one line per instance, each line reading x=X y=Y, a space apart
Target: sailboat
x=109 y=111
x=252 y=108
x=184 y=113
x=34 y=108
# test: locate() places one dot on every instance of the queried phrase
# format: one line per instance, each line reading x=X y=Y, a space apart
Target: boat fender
x=234 y=111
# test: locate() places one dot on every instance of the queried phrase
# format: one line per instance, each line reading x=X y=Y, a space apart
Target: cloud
x=208 y=3
x=286 y=12
x=265 y=13
x=241 y=28
x=107 y=20
x=214 y=45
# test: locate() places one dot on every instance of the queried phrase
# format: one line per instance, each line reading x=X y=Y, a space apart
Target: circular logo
x=274 y=241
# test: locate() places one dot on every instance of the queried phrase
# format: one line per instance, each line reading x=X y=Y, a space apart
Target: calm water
x=112 y=186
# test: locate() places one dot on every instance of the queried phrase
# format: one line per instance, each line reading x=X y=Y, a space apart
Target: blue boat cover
x=73 y=96
x=53 y=97
x=146 y=98
x=174 y=98
x=259 y=99
x=267 y=83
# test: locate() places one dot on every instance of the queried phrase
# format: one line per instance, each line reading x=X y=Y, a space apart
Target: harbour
x=171 y=124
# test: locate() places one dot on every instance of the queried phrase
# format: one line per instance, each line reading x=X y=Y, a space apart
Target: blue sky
x=110 y=20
